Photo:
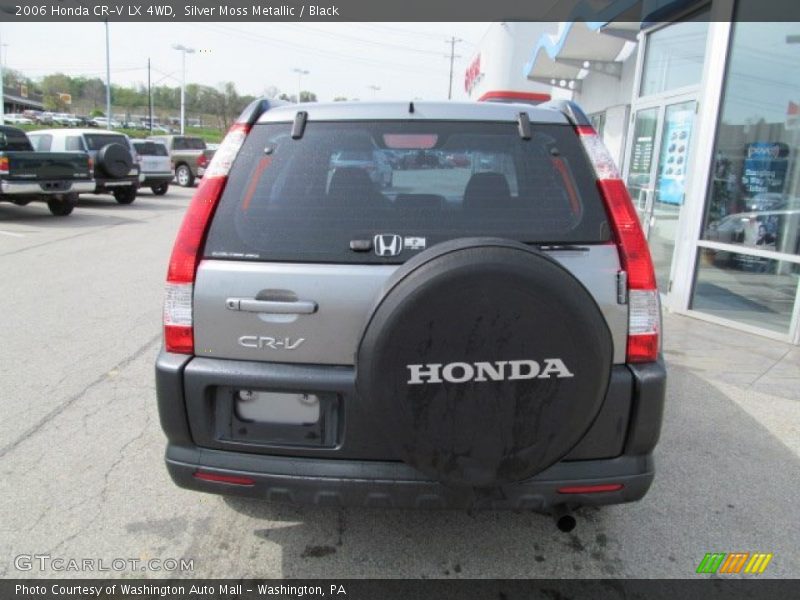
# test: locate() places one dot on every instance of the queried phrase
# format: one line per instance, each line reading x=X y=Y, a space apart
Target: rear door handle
x=275 y=307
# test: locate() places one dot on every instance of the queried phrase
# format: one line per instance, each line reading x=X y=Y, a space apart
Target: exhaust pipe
x=565 y=521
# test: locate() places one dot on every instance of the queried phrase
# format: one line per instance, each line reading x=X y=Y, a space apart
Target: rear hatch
x=154 y=157
x=301 y=244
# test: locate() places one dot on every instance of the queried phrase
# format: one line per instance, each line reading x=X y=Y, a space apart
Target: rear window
x=150 y=149
x=425 y=182
x=73 y=143
x=41 y=142
x=188 y=143
x=14 y=141
x=95 y=141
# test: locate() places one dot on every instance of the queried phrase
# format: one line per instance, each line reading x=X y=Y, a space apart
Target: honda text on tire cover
x=412 y=304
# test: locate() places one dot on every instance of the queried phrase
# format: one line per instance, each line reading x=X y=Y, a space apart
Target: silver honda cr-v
x=482 y=329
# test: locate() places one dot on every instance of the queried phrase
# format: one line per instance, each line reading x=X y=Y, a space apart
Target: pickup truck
x=53 y=177
x=113 y=157
x=189 y=154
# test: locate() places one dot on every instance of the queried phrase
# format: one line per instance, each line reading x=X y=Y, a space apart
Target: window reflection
x=754 y=199
x=674 y=56
x=754 y=192
x=749 y=289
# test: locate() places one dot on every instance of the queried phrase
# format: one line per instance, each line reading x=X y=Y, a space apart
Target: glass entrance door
x=659 y=158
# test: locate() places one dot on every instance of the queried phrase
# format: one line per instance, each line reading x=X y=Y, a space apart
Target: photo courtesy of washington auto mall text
x=399 y=300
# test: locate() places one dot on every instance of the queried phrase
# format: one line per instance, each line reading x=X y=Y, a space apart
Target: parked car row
x=57 y=165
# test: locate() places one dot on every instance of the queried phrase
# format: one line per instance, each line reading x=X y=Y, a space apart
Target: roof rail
x=256 y=108
x=569 y=109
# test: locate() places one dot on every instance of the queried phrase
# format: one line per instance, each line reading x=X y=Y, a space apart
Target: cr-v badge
x=256 y=341
x=387 y=244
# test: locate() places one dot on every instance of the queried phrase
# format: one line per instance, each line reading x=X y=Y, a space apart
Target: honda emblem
x=388 y=244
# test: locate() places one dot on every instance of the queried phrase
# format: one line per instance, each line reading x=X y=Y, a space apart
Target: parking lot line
x=12 y=234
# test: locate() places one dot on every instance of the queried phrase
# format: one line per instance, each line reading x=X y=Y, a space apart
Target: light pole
x=2 y=91
x=300 y=73
x=375 y=89
x=184 y=51
x=108 y=80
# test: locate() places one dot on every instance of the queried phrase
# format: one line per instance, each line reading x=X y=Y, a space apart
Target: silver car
x=486 y=336
x=156 y=165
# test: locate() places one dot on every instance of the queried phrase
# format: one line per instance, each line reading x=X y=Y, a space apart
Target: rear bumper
x=107 y=185
x=617 y=449
x=48 y=188
x=153 y=179
x=328 y=482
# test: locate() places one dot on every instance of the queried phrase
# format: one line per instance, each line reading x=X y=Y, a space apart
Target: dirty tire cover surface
x=484 y=301
x=115 y=160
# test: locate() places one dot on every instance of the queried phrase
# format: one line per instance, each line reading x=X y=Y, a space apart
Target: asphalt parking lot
x=81 y=448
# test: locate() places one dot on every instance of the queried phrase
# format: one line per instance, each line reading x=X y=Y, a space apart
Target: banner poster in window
x=674 y=156
x=765 y=167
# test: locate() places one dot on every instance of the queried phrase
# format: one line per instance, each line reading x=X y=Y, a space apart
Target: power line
x=273 y=41
x=362 y=40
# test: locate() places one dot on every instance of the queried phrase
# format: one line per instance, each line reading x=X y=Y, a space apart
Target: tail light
x=178 y=321
x=4 y=165
x=644 y=312
x=91 y=164
x=202 y=161
x=590 y=489
x=220 y=478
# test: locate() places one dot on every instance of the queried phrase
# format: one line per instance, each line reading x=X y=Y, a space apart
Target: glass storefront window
x=755 y=185
x=749 y=289
x=674 y=55
x=753 y=199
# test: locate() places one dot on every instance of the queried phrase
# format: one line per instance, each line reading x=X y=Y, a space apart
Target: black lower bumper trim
x=328 y=482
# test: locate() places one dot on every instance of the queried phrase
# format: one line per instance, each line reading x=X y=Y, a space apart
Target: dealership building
x=698 y=104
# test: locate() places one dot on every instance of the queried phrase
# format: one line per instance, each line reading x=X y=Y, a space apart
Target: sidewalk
x=761 y=375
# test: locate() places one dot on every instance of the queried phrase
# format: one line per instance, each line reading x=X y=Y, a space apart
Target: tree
x=308 y=96
x=340 y=99
x=271 y=92
x=52 y=86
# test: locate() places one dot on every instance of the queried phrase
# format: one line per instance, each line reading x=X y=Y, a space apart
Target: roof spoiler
x=256 y=108
x=569 y=109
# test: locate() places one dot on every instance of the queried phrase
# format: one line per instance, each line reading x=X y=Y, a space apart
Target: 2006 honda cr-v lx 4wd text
x=482 y=332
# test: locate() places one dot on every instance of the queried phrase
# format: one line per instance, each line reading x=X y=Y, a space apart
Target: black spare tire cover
x=484 y=361
x=115 y=160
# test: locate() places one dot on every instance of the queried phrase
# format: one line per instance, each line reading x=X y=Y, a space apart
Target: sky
x=405 y=60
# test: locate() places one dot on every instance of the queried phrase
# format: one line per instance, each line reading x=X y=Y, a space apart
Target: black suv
x=484 y=330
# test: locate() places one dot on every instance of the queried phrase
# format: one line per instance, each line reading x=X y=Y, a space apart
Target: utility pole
x=108 y=81
x=453 y=41
x=2 y=91
x=149 y=99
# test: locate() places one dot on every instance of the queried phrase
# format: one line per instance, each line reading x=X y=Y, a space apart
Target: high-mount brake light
x=178 y=319
x=644 y=313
